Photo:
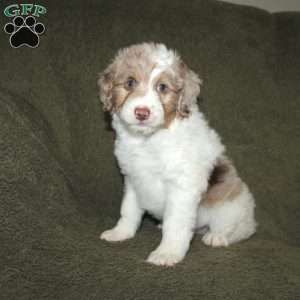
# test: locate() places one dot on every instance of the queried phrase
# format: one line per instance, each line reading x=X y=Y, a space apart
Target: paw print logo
x=24 y=32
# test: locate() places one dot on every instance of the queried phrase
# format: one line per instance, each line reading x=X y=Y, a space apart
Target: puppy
x=174 y=164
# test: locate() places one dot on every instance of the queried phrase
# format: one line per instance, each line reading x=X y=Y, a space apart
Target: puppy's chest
x=147 y=168
x=143 y=159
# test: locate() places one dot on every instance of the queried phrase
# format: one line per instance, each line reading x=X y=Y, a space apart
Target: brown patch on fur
x=105 y=84
x=191 y=90
x=169 y=98
x=170 y=109
x=120 y=94
x=224 y=184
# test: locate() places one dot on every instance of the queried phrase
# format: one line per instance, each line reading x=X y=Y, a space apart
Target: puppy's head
x=148 y=86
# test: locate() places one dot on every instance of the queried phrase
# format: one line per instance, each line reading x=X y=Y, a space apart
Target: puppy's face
x=148 y=86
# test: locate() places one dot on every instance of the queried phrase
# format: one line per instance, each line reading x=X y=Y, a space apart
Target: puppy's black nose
x=142 y=113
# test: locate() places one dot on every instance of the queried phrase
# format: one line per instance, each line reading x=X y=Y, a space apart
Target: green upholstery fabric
x=59 y=182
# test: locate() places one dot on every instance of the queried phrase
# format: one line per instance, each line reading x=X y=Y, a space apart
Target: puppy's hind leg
x=227 y=208
x=230 y=221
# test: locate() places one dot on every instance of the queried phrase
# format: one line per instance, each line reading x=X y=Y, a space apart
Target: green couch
x=59 y=182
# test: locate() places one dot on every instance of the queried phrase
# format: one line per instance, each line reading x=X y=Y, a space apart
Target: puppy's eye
x=130 y=84
x=162 y=88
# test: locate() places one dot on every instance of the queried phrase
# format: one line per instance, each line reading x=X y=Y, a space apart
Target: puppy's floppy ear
x=105 y=84
x=190 y=92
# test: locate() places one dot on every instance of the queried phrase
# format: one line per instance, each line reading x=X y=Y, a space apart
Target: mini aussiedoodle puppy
x=173 y=163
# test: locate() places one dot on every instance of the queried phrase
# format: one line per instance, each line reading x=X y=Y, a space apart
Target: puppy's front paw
x=115 y=235
x=215 y=240
x=164 y=257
